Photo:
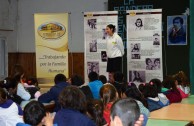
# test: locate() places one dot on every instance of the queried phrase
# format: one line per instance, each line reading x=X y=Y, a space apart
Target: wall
x=11 y=35
x=26 y=20
x=192 y=46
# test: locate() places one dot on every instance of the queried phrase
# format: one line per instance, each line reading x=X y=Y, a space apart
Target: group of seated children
x=97 y=103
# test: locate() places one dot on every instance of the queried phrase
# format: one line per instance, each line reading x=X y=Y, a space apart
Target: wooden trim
x=28 y=61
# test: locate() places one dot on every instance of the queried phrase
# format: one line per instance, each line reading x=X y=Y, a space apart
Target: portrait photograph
x=137 y=76
x=177 y=30
x=92 y=23
x=93 y=46
x=103 y=56
x=92 y=67
x=135 y=51
x=152 y=63
x=156 y=39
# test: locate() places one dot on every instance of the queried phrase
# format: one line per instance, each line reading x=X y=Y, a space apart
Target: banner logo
x=51 y=30
x=132 y=13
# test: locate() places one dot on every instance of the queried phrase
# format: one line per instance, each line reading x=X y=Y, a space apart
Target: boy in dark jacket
x=53 y=93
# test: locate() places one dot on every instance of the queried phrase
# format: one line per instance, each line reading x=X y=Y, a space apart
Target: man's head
x=178 y=22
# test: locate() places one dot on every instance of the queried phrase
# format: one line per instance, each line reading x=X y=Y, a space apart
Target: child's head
x=59 y=78
x=157 y=84
x=178 y=80
x=34 y=113
x=169 y=83
x=148 y=90
x=77 y=80
x=32 y=81
x=19 y=77
x=10 y=85
x=95 y=111
x=92 y=76
x=73 y=98
x=108 y=93
x=3 y=96
x=124 y=112
x=183 y=79
x=103 y=79
x=133 y=92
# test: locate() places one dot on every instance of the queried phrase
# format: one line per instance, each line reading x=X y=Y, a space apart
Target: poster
x=51 y=41
x=144 y=45
x=177 y=30
x=95 y=40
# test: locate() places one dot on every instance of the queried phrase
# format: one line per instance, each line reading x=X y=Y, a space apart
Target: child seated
x=10 y=86
x=10 y=112
x=151 y=96
x=157 y=84
x=124 y=112
x=21 y=91
x=108 y=94
x=53 y=93
x=31 y=86
x=131 y=91
x=94 y=84
x=180 y=88
x=95 y=112
x=72 y=113
x=35 y=115
x=173 y=93
x=183 y=82
x=77 y=80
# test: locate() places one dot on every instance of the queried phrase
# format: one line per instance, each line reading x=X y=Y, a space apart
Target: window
x=3 y=58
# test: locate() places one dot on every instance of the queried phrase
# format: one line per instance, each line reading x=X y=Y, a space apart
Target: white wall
x=27 y=8
x=8 y=17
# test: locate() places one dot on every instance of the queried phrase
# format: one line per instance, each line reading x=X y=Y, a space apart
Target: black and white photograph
x=135 y=51
x=177 y=30
x=139 y=24
x=92 y=23
x=136 y=76
x=135 y=47
x=104 y=33
x=135 y=56
x=156 y=39
x=93 y=46
x=144 y=44
x=103 y=56
x=92 y=67
x=152 y=63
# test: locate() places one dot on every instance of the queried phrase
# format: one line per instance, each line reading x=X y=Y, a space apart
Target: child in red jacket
x=173 y=94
